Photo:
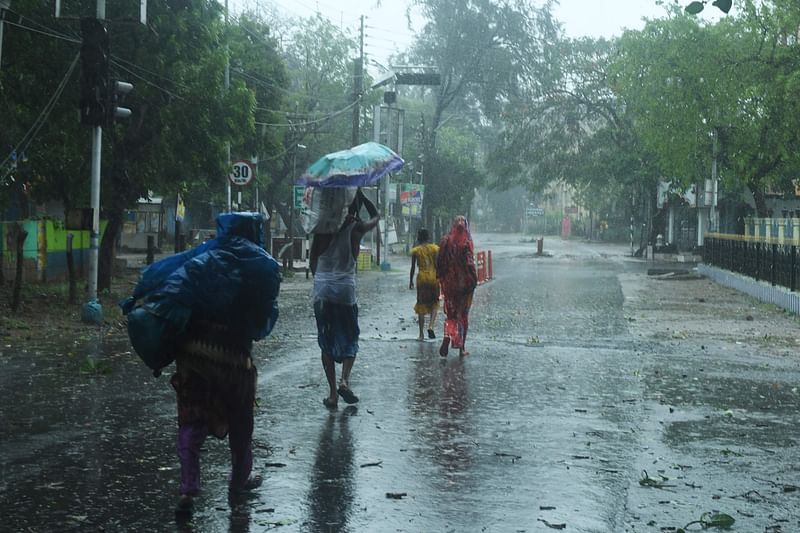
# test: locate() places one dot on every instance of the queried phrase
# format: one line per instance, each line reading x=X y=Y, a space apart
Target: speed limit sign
x=241 y=173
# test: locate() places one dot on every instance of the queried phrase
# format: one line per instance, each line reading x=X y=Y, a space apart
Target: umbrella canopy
x=359 y=166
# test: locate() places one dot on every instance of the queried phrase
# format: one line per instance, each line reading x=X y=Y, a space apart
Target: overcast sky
x=387 y=28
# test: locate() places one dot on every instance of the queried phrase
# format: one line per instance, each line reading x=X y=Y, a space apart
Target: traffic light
x=94 y=72
x=116 y=94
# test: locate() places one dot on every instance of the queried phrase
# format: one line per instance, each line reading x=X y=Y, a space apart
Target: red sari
x=458 y=278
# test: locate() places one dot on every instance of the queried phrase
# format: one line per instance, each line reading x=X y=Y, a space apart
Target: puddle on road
x=728 y=443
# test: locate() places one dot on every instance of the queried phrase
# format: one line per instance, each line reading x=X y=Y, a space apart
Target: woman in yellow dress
x=424 y=254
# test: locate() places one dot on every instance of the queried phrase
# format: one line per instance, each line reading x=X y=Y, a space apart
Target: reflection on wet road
x=330 y=497
x=549 y=422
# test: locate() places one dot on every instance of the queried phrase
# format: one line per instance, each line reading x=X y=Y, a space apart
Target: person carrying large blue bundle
x=203 y=309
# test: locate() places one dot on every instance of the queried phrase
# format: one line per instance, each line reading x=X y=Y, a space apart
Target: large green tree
x=575 y=129
x=38 y=111
x=318 y=103
x=257 y=61
x=737 y=89
x=482 y=50
x=182 y=114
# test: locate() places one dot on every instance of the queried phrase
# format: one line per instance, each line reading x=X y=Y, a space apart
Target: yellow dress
x=427 y=280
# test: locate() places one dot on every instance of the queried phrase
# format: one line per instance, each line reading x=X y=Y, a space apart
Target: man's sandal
x=347 y=395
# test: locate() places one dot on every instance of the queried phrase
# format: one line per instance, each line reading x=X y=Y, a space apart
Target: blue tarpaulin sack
x=230 y=280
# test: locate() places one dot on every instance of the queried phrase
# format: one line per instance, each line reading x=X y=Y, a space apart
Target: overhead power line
x=42 y=32
x=120 y=66
x=309 y=122
x=41 y=120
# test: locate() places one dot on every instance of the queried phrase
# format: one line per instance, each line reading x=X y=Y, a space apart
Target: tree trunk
x=2 y=250
x=73 y=290
x=758 y=198
x=21 y=235
x=108 y=248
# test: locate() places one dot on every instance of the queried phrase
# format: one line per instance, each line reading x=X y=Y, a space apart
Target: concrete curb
x=761 y=290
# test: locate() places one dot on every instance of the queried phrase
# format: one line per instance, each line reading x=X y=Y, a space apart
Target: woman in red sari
x=458 y=277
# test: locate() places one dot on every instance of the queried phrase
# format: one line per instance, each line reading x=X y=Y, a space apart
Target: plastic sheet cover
x=230 y=280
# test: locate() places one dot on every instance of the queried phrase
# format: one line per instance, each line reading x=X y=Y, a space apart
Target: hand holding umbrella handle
x=367 y=203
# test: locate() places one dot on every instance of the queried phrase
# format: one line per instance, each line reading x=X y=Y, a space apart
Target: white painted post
x=671 y=226
x=796 y=231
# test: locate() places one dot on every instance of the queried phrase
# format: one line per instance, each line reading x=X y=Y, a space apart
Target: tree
x=38 y=102
x=738 y=85
x=457 y=166
x=318 y=102
x=482 y=50
x=256 y=60
x=572 y=127
x=182 y=114
x=668 y=94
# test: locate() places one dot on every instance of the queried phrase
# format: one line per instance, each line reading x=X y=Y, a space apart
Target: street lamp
x=291 y=204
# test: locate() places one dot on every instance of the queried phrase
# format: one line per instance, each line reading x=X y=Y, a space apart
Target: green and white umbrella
x=356 y=167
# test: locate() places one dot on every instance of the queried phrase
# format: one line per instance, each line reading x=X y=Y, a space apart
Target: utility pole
x=98 y=106
x=358 y=86
x=290 y=228
x=227 y=86
x=714 y=181
x=4 y=4
x=92 y=311
x=395 y=143
x=376 y=135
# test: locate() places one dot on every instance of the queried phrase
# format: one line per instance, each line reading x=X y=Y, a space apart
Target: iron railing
x=775 y=263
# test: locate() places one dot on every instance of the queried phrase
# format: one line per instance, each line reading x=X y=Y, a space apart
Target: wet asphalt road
x=566 y=399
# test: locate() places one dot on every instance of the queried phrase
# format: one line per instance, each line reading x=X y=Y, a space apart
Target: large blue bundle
x=230 y=280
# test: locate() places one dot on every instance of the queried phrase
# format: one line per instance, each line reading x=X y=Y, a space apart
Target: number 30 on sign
x=241 y=173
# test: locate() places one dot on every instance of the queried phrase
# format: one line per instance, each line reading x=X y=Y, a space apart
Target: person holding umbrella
x=333 y=254
x=332 y=260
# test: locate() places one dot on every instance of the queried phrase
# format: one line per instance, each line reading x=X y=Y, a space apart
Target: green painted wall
x=45 y=246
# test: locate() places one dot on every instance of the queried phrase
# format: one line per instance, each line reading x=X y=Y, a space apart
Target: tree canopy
x=519 y=104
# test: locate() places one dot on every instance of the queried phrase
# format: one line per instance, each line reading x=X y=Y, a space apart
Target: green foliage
x=34 y=65
x=257 y=62
x=318 y=99
x=655 y=483
x=709 y=520
x=483 y=51
x=574 y=129
x=455 y=167
x=739 y=84
x=182 y=116
x=519 y=104
x=697 y=7
x=667 y=91
x=95 y=367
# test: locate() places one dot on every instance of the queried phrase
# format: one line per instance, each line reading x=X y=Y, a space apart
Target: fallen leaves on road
x=552 y=526
x=514 y=458
x=650 y=482
x=714 y=519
